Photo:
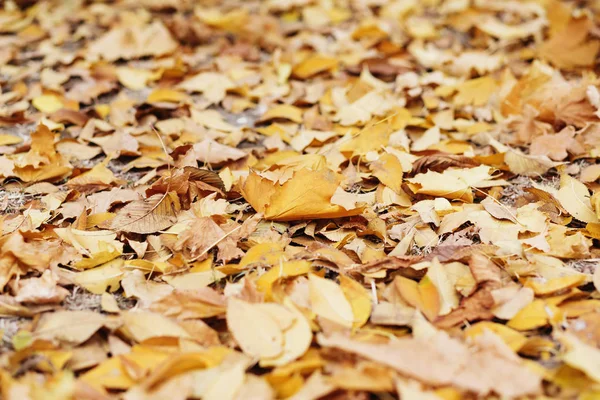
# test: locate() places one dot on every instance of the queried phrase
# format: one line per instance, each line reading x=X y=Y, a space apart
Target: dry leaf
x=133 y=42
x=454 y=183
x=328 y=301
x=255 y=330
x=575 y=198
x=569 y=48
x=72 y=327
x=497 y=368
x=307 y=194
x=150 y=215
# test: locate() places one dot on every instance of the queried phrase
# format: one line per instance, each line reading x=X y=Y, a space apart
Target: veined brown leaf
x=206 y=176
x=148 y=215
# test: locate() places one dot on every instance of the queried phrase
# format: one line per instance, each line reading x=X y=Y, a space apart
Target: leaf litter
x=303 y=200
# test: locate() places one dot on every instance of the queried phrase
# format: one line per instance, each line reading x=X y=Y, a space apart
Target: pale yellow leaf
x=254 y=329
x=328 y=301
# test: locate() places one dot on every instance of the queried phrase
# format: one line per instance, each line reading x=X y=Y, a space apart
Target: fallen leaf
x=144 y=325
x=359 y=299
x=569 y=47
x=581 y=356
x=212 y=85
x=72 y=327
x=496 y=367
x=257 y=333
x=313 y=65
x=298 y=197
x=454 y=183
x=133 y=42
x=150 y=215
x=575 y=198
x=328 y=301
x=424 y=295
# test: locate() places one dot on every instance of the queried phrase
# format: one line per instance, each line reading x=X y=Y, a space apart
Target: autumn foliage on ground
x=293 y=199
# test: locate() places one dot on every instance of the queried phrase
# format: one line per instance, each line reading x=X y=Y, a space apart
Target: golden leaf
x=515 y=340
x=359 y=298
x=313 y=65
x=257 y=333
x=328 y=301
x=423 y=295
x=475 y=92
x=388 y=169
x=306 y=195
x=281 y=271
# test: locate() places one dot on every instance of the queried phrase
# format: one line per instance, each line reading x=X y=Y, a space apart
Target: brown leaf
x=569 y=48
x=150 y=215
x=204 y=234
x=484 y=269
x=440 y=162
x=42 y=290
x=190 y=304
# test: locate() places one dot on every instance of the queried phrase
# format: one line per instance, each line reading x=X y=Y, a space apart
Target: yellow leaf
x=286 y=379
x=143 y=325
x=306 y=195
x=232 y=21
x=283 y=111
x=297 y=339
x=388 y=169
x=574 y=196
x=108 y=303
x=454 y=183
x=99 y=246
x=133 y=41
x=134 y=78
x=270 y=254
x=423 y=295
x=47 y=103
x=359 y=298
x=371 y=138
x=328 y=301
x=54 y=360
x=98 y=280
x=313 y=65
x=6 y=139
x=439 y=276
x=515 y=340
x=113 y=373
x=257 y=333
x=181 y=363
x=476 y=91
x=72 y=327
x=581 y=356
x=280 y=271
x=542 y=286
x=194 y=280
x=528 y=165
x=61 y=385
x=536 y=314
x=574 y=309
x=97 y=178
x=212 y=85
x=42 y=162
x=166 y=95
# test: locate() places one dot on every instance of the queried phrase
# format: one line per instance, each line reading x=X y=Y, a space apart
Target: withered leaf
x=149 y=215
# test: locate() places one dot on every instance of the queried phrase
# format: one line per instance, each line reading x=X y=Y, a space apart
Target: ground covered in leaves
x=353 y=199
